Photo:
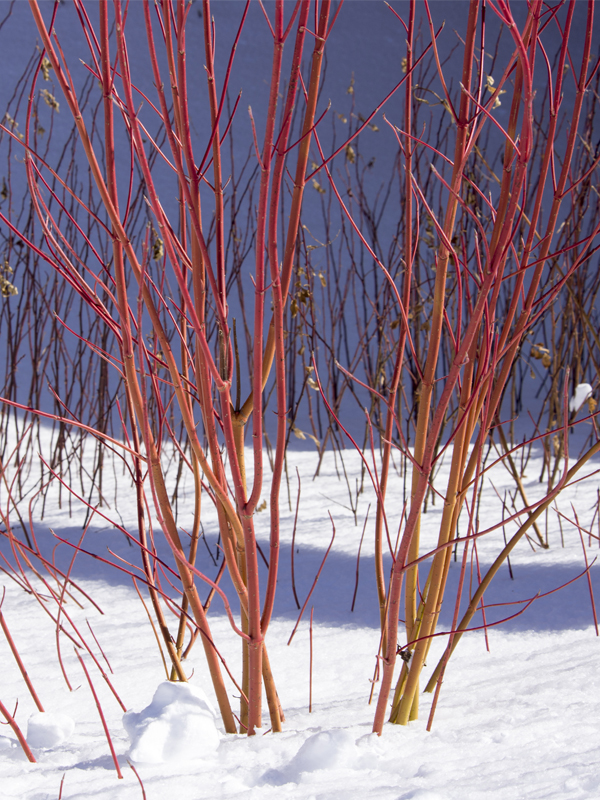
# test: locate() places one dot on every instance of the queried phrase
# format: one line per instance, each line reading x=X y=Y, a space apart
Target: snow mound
x=324 y=750
x=46 y=729
x=178 y=725
x=6 y=743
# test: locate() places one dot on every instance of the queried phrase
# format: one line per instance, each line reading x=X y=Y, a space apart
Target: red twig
x=587 y=567
x=358 y=558
x=102 y=718
x=99 y=646
x=137 y=775
x=310 y=668
x=22 y=741
x=315 y=581
x=294 y=542
x=18 y=659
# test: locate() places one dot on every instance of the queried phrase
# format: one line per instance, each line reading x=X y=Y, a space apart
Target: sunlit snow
x=522 y=720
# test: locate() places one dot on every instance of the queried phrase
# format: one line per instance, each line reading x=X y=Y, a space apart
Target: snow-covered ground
x=519 y=721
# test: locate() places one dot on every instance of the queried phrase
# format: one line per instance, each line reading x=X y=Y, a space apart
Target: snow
x=519 y=721
x=49 y=730
x=325 y=750
x=7 y=744
x=583 y=391
x=179 y=724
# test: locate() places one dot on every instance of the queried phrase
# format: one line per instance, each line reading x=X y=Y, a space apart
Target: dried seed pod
x=50 y=100
x=46 y=67
x=538 y=350
x=158 y=249
x=556 y=444
x=7 y=288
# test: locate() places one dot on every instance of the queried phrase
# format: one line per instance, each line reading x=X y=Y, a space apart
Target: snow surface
x=520 y=721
